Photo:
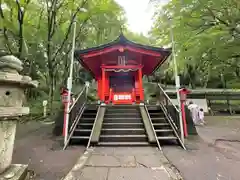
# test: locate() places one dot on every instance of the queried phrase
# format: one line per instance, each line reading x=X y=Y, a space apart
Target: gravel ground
x=36 y=146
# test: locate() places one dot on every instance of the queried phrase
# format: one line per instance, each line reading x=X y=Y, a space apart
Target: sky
x=139 y=14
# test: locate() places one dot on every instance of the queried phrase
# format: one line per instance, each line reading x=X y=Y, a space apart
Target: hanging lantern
x=121 y=49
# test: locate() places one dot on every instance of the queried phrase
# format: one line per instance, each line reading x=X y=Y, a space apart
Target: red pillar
x=140 y=83
x=183 y=97
x=64 y=119
x=99 y=87
x=103 y=84
x=184 y=119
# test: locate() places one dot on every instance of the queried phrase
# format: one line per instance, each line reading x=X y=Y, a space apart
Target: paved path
x=123 y=163
x=206 y=159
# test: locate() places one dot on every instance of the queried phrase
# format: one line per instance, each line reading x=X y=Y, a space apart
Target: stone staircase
x=123 y=125
x=164 y=131
x=83 y=130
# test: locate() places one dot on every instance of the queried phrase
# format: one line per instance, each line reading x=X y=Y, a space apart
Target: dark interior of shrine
x=122 y=82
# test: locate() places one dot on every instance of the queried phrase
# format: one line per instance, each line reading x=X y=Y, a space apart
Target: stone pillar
x=12 y=86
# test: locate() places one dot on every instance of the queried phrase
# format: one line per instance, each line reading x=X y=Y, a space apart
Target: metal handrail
x=168 y=115
x=163 y=107
x=81 y=108
x=172 y=124
x=78 y=115
x=74 y=126
x=169 y=99
x=79 y=95
x=158 y=143
x=76 y=118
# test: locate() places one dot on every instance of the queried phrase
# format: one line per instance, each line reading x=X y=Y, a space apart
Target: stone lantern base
x=12 y=86
x=15 y=172
x=9 y=171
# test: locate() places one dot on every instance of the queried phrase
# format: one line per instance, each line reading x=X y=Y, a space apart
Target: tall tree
x=206 y=34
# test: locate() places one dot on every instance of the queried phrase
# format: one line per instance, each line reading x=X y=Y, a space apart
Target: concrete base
x=15 y=172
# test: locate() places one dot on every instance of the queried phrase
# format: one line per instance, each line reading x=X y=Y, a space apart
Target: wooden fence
x=217 y=100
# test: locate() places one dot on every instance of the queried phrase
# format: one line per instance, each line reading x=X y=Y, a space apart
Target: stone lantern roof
x=12 y=86
x=10 y=67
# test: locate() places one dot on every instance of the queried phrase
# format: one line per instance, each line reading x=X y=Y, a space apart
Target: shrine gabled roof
x=122 y=40
x=153 y=56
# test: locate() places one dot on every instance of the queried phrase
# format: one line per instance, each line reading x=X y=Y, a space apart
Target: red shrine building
x=119 y=67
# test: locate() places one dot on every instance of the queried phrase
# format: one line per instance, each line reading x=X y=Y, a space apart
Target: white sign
x=44 y=103
x=122 y=60
x=122 y=97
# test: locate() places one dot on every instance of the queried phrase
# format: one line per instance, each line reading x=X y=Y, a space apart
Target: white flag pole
x=177 y=81
x=69 y=83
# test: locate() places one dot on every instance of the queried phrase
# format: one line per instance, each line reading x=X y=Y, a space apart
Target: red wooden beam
x=101 y=52
x=122 y=67
x=130 y=48
x=140 y=84
x=143 y=51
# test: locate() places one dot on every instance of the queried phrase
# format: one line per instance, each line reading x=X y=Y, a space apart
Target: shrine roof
x=92 y=58
x=122 y=40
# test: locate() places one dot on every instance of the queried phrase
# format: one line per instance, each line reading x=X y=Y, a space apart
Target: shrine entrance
x=119 y=67
x=122 y=117
x=122 y=82
x=122 y=87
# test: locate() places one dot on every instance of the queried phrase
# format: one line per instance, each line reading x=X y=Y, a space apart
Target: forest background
x=39 y=32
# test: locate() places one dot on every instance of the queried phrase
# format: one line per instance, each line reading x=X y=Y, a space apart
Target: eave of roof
x=122 y=40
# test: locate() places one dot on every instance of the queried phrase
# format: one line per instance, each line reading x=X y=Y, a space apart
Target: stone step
x=121 y=111
x=87 y=118
x=130 y=118
x=167 y=138
x=158 y=118
x=123 y=138
x=122 y=125
x=82 y=132
x=123 y=144
x=156 y=113
x=161 y=124
x=90 y=112
x=122 y=120
x=90 y=115
x=126 y=136
x=163 y=130
x=84 y=125
x=123 y=131
x=120 y=114
x=80 y=137
x=120 y=129
x=130 y=106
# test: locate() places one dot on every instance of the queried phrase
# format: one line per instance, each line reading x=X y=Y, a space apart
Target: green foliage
x=207 y=38
x=138 y=38
x=39 y=32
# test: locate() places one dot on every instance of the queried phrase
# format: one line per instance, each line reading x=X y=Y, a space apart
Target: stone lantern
x=12 y=86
